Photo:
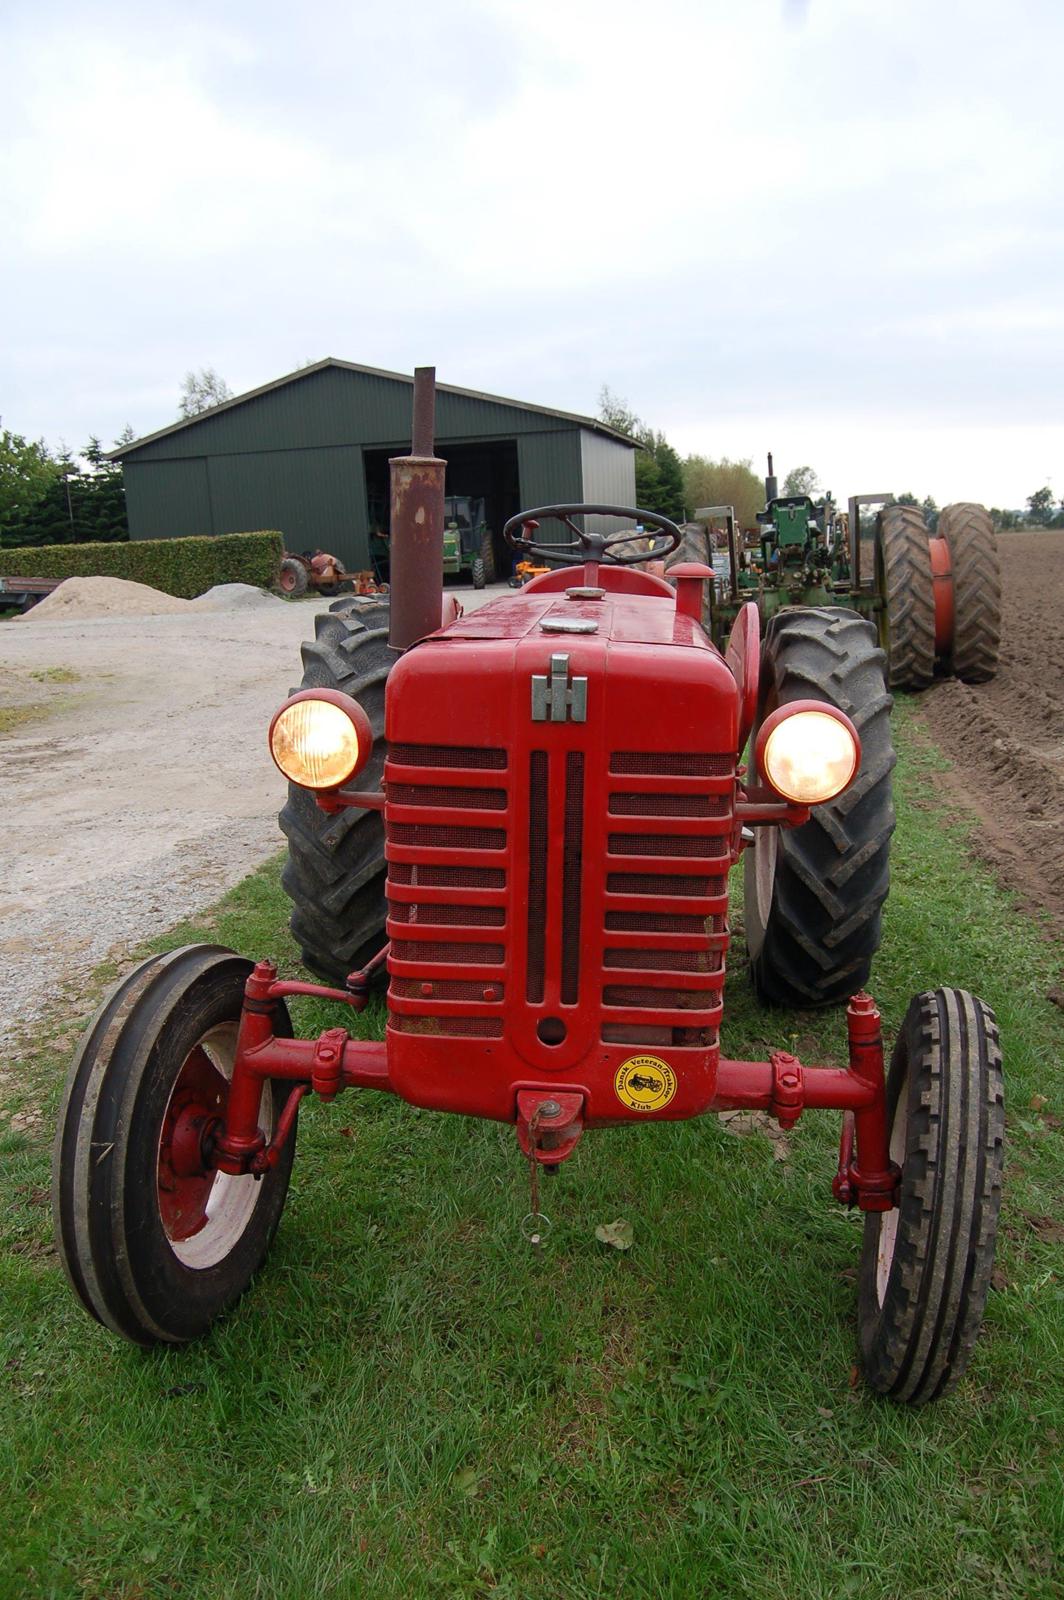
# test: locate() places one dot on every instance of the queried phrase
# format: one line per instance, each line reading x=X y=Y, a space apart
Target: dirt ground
x=136 y=787
x=1006 y=737
x=135 y=783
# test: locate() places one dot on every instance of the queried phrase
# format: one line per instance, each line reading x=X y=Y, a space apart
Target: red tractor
x=524 y=821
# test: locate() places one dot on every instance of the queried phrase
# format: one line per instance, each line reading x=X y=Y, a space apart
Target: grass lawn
x=410 y=1402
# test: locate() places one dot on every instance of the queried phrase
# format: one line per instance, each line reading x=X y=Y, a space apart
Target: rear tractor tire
x=487 y=556
x=968 y=531
x=926 y=1266
x=293 y=580
x=905 y=588
x=155 y=1241
x=335 y=870
x=814 y=894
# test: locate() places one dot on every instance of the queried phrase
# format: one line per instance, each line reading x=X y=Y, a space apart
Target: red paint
x=615 y=580
x=942 y=587
x=500 y=826
x=656 y=687
x=558 y=1123
x=691 y=578
x=743 y=656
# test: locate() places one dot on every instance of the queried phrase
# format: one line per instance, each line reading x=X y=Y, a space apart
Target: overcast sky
x=831 y=229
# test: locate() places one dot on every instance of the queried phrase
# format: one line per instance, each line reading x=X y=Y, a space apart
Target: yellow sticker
x=645 y=1083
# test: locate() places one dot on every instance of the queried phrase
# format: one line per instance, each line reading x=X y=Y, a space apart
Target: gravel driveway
x=137 y=787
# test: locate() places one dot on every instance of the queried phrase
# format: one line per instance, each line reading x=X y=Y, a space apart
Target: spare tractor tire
x=968 y=531
x=814 y=894
x=335 y=870
x=293 y=579
x=905 y=588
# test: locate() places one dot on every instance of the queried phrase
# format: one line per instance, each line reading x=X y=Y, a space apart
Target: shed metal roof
x=591 y=423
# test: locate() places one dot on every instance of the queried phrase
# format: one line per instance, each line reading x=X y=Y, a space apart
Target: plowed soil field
x=1006 y=738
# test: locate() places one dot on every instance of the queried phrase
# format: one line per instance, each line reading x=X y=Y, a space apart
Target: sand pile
x=102 y=597
x=235 y=597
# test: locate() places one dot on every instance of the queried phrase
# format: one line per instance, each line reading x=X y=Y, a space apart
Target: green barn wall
x=292 y=458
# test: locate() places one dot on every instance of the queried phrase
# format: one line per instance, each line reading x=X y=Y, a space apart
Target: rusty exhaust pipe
x=417 y=525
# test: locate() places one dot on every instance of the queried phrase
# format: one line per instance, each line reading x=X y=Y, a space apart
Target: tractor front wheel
x=156 y=1242
x=926 y=1265
x=478 y=573
x=814 y=894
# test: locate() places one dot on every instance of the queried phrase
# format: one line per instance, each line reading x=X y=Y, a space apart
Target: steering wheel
x=590 y=547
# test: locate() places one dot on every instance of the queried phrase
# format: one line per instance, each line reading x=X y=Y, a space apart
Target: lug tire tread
x=487 y=556
x=909 y=596
x=99 y=1229
x=833 y=873
x=300 y=580
x=969 y=532
x=947 y=1059
x=335 y=870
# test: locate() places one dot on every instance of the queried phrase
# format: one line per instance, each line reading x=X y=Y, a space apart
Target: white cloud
x=831 y=217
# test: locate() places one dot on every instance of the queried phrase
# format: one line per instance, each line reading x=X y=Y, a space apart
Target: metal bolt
x=549 y=1108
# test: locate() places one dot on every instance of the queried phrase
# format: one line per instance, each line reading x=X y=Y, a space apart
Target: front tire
x=926 y=1265
x=335 y=870
x=478 y=573
x=814 y=894
x=293 y=580
x=155 y=1242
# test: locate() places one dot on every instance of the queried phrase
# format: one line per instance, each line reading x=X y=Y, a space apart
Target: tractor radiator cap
x=584 y=594
x=569 y=625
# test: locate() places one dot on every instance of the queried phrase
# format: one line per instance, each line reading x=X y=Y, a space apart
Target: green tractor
x=934 y=598
x=467 y=541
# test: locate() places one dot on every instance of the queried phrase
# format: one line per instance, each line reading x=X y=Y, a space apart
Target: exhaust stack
x=416 y=550
x=771 y=489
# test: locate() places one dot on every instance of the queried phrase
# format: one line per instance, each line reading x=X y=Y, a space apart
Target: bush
x=183 y=567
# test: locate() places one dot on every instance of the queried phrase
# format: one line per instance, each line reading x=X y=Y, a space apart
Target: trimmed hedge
x=183 y=567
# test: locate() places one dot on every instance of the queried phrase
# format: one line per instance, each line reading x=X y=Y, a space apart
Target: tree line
x=60 y=497
x=678 y=489
x=78 y=497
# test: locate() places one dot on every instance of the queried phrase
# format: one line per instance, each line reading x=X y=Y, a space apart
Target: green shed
x=308 y=455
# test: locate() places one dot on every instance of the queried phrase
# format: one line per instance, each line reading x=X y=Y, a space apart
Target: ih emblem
x=556 y=698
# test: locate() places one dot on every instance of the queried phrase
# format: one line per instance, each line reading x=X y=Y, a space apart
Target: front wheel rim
x=204 y=1213
x=887 y=1242
x=765 y=872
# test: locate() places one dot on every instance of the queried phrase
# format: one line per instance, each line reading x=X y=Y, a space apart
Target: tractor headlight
x=320 y=738
x=808 y=752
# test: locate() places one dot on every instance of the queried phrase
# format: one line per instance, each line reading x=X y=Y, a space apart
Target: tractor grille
x=665 y=929
x=447 y=837
x=627 y=865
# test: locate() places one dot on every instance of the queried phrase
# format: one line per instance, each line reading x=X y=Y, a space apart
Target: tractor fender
x=743 y=658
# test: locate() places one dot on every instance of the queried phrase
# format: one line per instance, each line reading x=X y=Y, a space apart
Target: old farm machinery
x=523 y=821
x=467 y=540
x=325 y=574
x=934 y=598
